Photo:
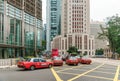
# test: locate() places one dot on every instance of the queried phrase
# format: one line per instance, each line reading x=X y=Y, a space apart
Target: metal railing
x=7 y=62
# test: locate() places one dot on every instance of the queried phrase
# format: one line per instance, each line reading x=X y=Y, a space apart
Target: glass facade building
x=20 y=28
x=53 y=20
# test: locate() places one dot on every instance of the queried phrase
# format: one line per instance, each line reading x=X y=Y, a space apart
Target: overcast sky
x=99 y=9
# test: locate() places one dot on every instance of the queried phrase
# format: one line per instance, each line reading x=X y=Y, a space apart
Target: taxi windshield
x=57 y=58
x=72 y=58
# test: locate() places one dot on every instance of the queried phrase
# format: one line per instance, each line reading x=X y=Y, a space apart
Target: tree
x=118 y=50
x=111 y=33
x=99 y=52
x=72 y=50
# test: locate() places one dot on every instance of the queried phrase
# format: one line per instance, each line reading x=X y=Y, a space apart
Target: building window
x=14 y=36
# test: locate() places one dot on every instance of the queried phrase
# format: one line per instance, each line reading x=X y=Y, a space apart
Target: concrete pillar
x=5 y=20
x=82 y=44
x=23 y=42
x=88 y=50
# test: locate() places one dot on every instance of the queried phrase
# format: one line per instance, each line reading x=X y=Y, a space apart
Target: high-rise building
x=75 y=28
x=20 y=27
x=95 y=29
x=53 y=20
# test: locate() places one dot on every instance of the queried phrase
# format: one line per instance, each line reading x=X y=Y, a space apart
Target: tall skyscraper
x=75 y=17
x=53 y=20
x=20 y=27
x=75 y=28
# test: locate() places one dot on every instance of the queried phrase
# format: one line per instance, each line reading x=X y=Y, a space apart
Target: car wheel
x=50 y=66
x=66 y=63
x=32 y=68
x=89 y=63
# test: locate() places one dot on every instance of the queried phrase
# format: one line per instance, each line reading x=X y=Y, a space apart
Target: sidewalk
x=106 y=61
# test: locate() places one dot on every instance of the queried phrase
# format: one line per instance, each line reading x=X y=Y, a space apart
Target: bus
x=54 y=53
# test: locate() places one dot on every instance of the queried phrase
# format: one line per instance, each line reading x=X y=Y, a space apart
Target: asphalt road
x=16 y=74
x=93 y=72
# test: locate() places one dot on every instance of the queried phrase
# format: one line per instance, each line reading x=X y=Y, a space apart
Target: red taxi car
x=57 y=61
x=72 y=60
x=34 y=63
x=85 y=60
